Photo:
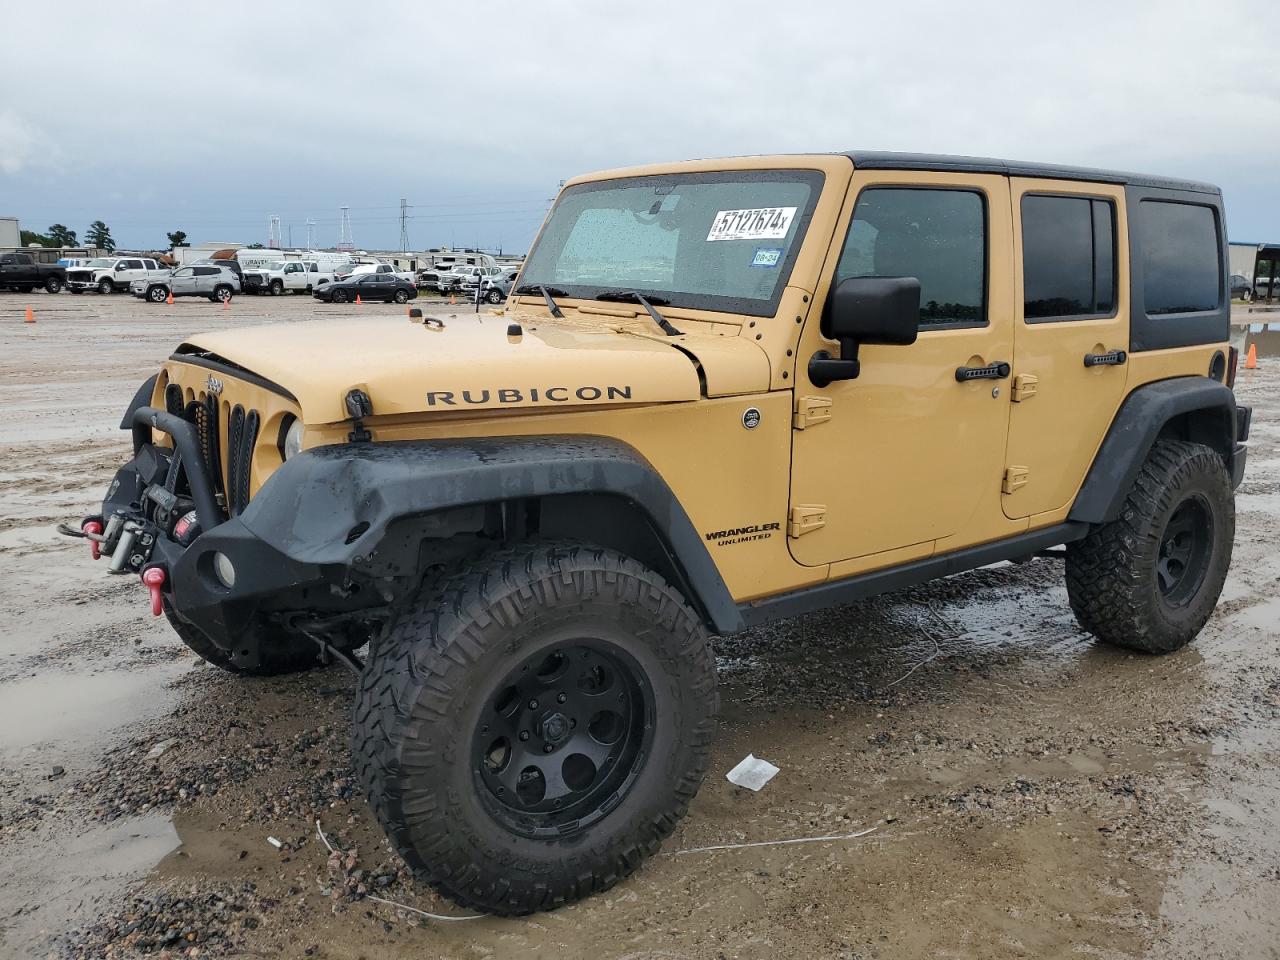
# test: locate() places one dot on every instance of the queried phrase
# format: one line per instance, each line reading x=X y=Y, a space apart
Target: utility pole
x=344 y=230
x=311 y=234
x=404 y=225
x=273 y=233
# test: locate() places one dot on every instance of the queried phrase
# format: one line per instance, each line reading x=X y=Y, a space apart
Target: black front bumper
x=147 y=492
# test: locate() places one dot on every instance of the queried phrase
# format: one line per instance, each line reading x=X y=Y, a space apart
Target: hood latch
x=359 y=406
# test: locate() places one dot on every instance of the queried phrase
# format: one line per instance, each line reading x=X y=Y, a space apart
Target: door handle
x=992 y=371
x=1112 y=358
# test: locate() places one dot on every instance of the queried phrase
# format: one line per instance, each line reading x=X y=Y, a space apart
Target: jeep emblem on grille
x=213 y=385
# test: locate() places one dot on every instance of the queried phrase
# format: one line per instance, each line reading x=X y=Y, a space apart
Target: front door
x=1070 y=338
x=182 y=282
x=907 y=458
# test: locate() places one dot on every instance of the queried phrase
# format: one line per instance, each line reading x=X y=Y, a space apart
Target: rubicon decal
x=757 y=531
x=585 y=394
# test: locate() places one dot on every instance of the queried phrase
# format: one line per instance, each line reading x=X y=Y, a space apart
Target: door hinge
x=811 y=411
x=806 y=518
x=1024 y=387
x=1015 y=478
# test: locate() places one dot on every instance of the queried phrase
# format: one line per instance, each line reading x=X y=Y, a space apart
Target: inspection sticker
x=762 y=223
x=766 y=257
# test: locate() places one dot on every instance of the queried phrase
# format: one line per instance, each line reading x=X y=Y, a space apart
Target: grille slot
x=242 y=434
x=173 y=400
x=206 y=421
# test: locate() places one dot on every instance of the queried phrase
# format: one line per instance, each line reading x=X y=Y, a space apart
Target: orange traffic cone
x=169 y=298
x=452 y=299
x=226 y=304
x=358 y=300
x=31 y=316
x=1250 y=361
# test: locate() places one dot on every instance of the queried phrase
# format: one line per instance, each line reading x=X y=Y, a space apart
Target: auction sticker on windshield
x=762 y=223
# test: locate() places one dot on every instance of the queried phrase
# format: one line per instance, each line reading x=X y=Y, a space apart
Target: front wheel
x=1150 y=579
x=276 y=288
x=339 y=296
x=531 y=728
x=105 y=286
x=494 y=295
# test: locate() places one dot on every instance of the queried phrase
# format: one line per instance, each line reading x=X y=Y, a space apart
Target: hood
x=472 y=364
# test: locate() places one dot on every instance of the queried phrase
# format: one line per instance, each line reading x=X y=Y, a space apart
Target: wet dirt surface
x=1032 y=793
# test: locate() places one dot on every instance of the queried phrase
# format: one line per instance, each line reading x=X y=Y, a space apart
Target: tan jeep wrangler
x=722 y=392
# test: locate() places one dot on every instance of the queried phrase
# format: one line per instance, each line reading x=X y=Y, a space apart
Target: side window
x=185 y=272
x=133 y=264
x=937 y=236
x=148 y=264
x=1181 y=269
x=1068 y=258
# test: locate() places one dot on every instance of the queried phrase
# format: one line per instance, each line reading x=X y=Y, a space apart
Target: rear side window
x=937 y=236
x=1181 y=266
x=1068 y=258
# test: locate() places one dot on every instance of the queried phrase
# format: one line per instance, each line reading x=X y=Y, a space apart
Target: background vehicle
x=384 y=286
x=193 y=280
x=293 y=276
x=361 y=269
x=690 y=420
x=1263 y=287
x=497 y=289
x=112 y=274
x=21 y=273
x=1240 y=287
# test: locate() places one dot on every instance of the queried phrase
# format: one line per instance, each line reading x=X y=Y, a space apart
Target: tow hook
x=154 y=578
x=90 y=530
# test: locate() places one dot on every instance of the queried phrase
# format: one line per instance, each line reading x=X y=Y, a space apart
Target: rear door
x=907 y=457
x=1070 y=338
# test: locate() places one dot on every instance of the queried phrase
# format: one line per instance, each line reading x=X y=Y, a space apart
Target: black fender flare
x=312 y=507
x=142 y=398
x=1137 y=425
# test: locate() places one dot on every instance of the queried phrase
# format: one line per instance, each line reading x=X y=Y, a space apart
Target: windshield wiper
x=546 y=295
x=632 y=295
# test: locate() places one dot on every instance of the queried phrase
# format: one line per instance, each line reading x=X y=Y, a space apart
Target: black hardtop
x=888 y=160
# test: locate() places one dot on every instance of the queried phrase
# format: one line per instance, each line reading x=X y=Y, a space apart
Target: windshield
x=712 y=241
x=275 y=265
x=101 y=262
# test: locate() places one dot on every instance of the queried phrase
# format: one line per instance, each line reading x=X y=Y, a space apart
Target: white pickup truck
x=294 y=276
x=112 y=274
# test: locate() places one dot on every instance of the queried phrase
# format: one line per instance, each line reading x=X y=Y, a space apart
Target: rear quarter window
x=1181 y=262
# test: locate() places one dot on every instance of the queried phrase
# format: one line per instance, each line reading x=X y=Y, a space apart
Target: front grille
x=205 y=417
x=80 y=275
x=242 y=434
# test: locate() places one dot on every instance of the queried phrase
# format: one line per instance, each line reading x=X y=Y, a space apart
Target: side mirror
x=882 y=310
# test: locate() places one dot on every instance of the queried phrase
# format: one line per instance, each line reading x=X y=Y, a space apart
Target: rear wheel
x=222 y=293
x=53 y=285
x=1150 y=579
x=105 y=286
x=531 y=728
x=402 y=296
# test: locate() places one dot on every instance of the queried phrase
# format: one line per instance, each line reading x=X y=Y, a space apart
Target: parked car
x=194 y=280
x=1240 y=287
x=109 y=274
x=295 y=276
x=21 y=273
x=368 y=286
x=250 y=282
x=496 y=289
x=360 y=269
x=1262 y=288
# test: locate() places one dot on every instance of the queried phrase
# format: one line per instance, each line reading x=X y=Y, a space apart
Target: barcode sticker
x=761 y=223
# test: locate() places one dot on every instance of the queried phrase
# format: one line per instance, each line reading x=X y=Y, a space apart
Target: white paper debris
x=274 y=842
x=752 y=773
x=159 y=749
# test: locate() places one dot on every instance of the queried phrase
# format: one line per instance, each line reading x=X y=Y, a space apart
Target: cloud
x=221 y=121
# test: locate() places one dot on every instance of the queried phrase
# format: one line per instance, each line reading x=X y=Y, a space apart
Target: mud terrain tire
x=1150 y=579
x=289 y=655
x=439 y=685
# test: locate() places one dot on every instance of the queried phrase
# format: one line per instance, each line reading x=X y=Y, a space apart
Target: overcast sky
x=211 y=118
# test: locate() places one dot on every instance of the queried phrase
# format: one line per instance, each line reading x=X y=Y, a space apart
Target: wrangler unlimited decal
x=758 y=531
x=445 y=398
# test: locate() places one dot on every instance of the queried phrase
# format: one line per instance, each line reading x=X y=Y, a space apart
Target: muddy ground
x=1032 y=793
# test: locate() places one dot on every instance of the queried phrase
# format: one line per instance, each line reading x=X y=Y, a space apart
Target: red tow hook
x=154 y=578
x=93 y=526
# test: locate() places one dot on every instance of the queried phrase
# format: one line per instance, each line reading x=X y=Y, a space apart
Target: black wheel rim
x=562 y=738
x=1185 y=548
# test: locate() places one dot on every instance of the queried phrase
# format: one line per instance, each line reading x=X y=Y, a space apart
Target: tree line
x=97 y=235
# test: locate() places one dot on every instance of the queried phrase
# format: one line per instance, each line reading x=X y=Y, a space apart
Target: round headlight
x=225 y=570
x=292 y=440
